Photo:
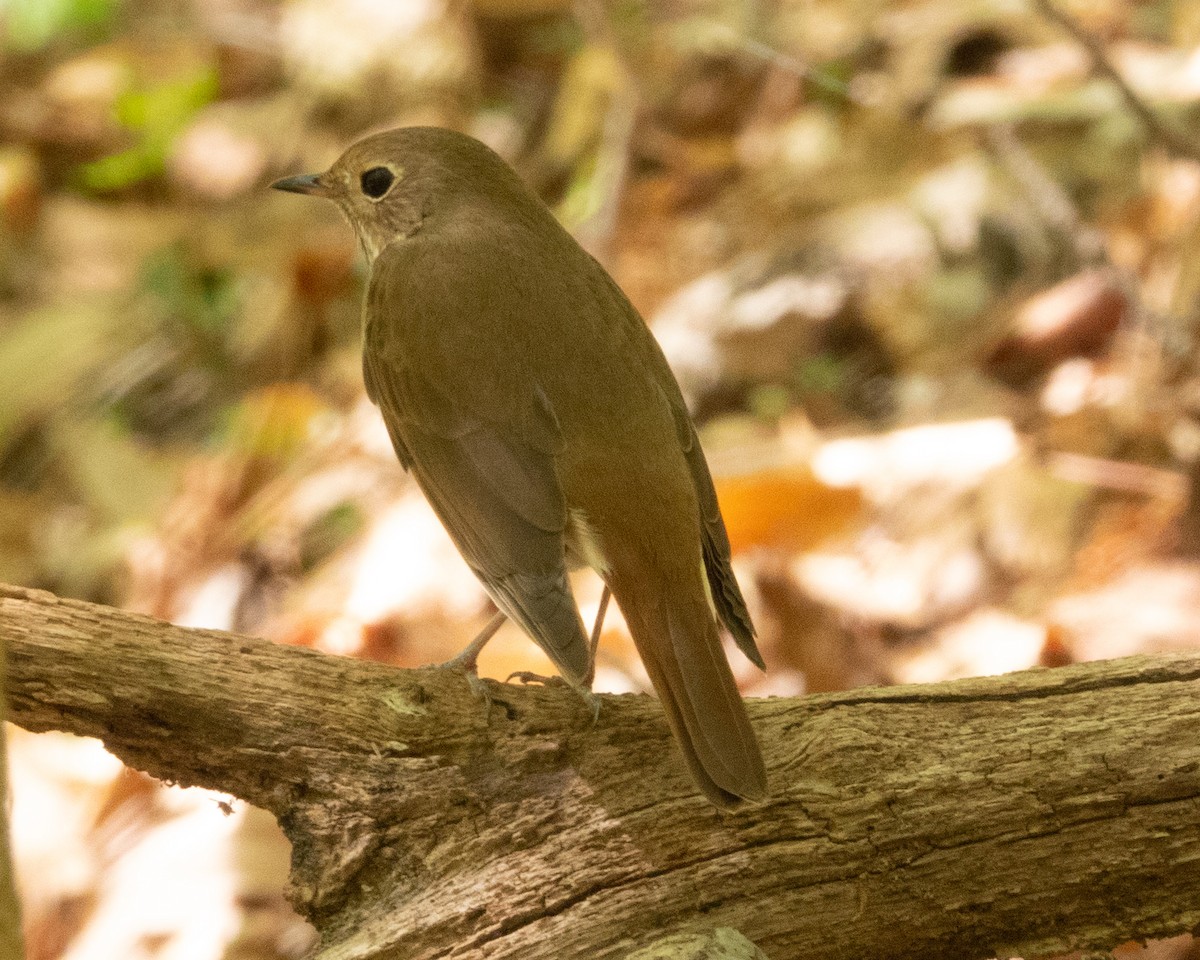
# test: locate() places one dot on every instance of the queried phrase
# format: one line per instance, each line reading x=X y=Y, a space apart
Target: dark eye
x=376 y=181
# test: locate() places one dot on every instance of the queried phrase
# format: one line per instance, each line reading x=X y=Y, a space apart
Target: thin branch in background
x=1059 y=212
x=1053 y=204
x=787 y=62
x=612 y=171
x=1170 y=138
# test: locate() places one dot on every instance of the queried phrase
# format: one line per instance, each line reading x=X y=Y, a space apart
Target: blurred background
x=928 y=275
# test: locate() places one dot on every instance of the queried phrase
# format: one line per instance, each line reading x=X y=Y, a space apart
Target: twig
x=612 y=170
x=1170 y=138
x=1049 y=199
x=1059 y=212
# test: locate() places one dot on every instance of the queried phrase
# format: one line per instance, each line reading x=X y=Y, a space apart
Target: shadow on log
x=1028 y=814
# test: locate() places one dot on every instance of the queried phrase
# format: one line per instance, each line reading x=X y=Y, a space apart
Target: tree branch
x=12 y=946
x=721 y=944
x=1028 y=814
x=1169 y=137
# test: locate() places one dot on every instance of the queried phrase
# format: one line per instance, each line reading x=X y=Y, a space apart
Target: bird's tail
x=676 y=635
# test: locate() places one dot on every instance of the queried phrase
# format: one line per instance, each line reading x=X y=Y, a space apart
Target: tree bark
x=1027 y=814
x=721 y=944
x=12 y=945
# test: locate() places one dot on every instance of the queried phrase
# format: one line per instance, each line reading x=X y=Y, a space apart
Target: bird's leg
x=528 y=676
x=468 y=660
x=596 y=628
x=585 y=688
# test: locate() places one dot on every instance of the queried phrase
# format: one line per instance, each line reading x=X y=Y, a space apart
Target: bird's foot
x=589 y=698
x=468 y=661
x=469 y=669
x=593 y=703
x=528 y=676
x=478 y=687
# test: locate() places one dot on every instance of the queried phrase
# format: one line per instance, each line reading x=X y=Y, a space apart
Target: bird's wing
x=489 y=475
x=726 y=594
x=723 y=585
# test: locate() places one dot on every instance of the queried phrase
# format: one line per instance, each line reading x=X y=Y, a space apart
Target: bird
x=538 y=415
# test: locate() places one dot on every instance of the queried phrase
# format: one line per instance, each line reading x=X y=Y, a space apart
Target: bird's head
x=392 y=184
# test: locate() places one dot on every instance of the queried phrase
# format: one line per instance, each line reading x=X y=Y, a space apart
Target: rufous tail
x=676 y=635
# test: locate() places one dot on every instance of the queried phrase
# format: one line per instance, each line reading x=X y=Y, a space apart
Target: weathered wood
x=12 y=946
x=1027 y=814
x=722 y=944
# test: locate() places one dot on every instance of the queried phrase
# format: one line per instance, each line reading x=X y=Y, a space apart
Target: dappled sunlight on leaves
x=928 y=284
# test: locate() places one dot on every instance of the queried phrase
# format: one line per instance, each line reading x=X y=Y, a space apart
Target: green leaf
x=30 y=25
x=156 y=115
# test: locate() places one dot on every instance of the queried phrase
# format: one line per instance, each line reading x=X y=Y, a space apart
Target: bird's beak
x=309 y=183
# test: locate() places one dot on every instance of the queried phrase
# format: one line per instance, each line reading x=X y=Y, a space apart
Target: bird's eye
x=376 y=181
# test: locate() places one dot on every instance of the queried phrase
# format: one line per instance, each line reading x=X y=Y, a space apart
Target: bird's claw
x=589 y=698
x=478 y=687
x=528 y=676
x=593 y=703
x=466 y=665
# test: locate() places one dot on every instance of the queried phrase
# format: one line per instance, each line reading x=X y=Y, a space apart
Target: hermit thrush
x=538 y=414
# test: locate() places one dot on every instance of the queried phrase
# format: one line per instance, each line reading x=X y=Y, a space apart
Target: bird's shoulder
x=446 y=345
x=476 y=275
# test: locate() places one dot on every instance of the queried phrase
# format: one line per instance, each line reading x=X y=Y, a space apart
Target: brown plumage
x=539 y=416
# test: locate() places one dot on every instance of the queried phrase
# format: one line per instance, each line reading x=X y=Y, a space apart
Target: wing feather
x=492 y=481
x=718 y=566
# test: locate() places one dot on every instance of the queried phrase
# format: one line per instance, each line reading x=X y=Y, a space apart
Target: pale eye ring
x=376 y=182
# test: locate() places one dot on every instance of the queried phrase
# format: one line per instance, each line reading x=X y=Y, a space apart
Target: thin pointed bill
x=309 y=183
